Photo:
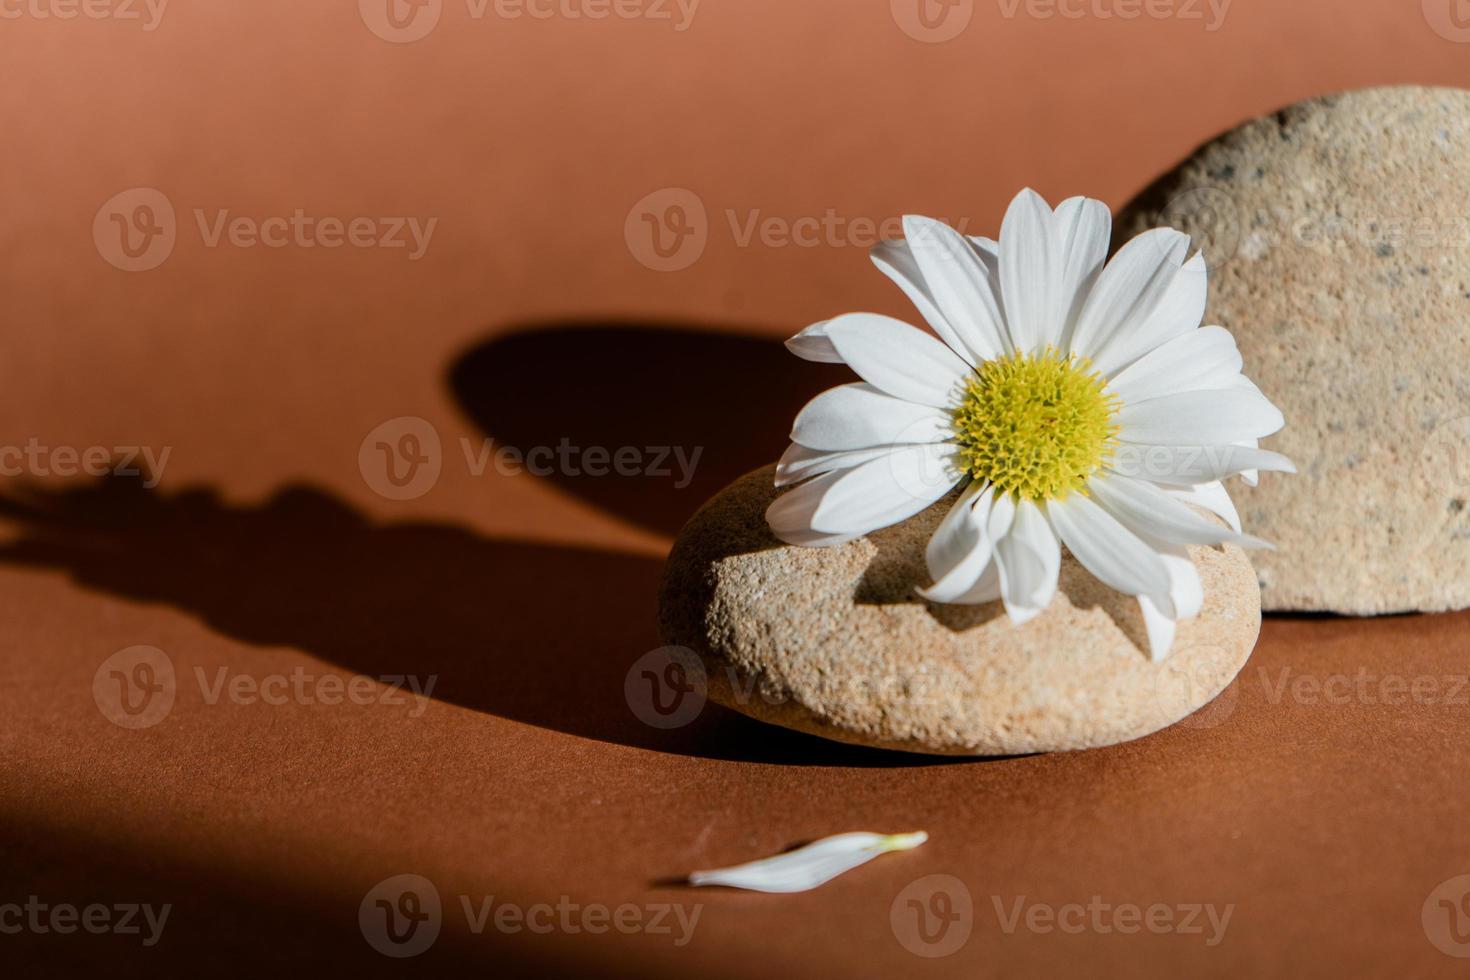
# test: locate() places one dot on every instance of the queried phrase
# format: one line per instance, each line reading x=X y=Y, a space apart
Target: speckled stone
x=1338 y=232
x=834 y=641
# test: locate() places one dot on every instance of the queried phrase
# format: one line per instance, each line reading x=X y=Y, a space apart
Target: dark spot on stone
x=1456 y=505
x=1260 y=173
x=1226 y=172
x=1385 y=251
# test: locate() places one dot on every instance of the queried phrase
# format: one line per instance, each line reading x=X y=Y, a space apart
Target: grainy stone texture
x=1338 y=233
x=834 y=641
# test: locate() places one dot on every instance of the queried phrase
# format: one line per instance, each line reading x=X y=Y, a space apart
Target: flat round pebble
x=834 y=641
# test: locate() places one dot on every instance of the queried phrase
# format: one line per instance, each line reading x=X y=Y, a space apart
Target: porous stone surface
x=834 y=641
x=1338 y=235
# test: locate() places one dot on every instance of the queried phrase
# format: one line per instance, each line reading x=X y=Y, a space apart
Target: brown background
x=265 y=547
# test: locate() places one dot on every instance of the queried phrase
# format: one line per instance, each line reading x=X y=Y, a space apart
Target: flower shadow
x=700 y=407
x=490 y=619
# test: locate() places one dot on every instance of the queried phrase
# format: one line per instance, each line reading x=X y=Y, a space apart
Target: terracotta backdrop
x=151 y=152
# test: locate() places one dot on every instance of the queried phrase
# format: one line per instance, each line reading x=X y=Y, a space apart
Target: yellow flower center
x=1037 y=426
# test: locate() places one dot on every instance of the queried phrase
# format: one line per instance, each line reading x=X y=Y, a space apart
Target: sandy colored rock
x=834 y=641
x=1338 y=233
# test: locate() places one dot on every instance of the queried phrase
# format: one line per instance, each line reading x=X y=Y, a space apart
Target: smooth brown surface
x=265 y=548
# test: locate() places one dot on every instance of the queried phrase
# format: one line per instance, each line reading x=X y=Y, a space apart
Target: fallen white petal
x=808 y=867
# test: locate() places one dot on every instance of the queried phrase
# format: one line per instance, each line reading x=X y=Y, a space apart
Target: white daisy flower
x=1078 y=404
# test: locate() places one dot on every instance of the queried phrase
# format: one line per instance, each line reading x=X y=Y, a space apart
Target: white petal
x=1082 y=229
x=800 y=463
x=859 y=416
x=1192 y=465
x=1203 y=358
x=1213 y=497
x=960 y=552
x=808 y=867
x=812 y=344
x=1130 y=287
x=989 y=251
x=1178 y=312
x=1107 y=549
x=886 y=490
x=1160 y=626
x=790 y=515
x=1186 y=591
x=898 y=359
x=959 y=285
x=1220 y=415
x=1253 y=476
x=1002 y=516
x=896 y=261
x=1147 y=510
x=1028 y=272
x=1029 y=560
